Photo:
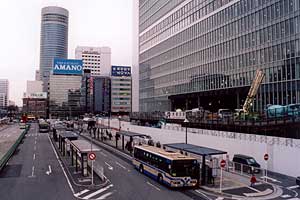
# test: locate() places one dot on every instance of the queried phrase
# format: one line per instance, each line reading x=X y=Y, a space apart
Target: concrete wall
x=283 y=152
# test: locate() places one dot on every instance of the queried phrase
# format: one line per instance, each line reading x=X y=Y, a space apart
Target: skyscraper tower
x=54 y=39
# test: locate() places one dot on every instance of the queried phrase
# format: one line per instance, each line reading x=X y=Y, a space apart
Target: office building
x=66 y=78
x=54 y=39
x=101 y=95
x=4 y=93
x=205 y=53
x=95 y=59
x=121 y=94
x=35 y=104
x=34 y=87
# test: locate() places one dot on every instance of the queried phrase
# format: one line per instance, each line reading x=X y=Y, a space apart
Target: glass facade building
x=54 y=39
x=196 y=53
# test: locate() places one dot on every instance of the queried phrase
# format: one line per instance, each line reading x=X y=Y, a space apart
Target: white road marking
x=120 y=165
x=49 y=171
x=34 y=156
x=105 y=195
x=97 y=192
x=219 y=198
x=293 y=187
x=32 y=173
x=80 y=193
x=269 y=178
x=203 y=194
x=252 y=188
x=109 y=167
x=285 y=196
x=61 y=166
x=153 y=186
x=35 y=142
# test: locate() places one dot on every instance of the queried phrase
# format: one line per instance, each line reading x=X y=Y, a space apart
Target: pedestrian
x=252 y=180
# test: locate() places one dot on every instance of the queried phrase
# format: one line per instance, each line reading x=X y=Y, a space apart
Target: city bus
x=167 y=167
x=43 y=127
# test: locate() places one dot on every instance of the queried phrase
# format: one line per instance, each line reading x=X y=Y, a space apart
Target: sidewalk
x=237 y=186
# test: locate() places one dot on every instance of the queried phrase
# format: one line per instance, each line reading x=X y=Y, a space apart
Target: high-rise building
x=65 y=82
x=121 y=89
x=196 y=53
x=96 y=59
x=54 y=39
x=37 y=75
x=4 y=93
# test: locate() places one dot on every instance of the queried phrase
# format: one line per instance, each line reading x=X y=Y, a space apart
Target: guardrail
x=12 y=149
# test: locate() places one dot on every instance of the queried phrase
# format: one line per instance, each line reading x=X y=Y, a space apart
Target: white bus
x=170 y=168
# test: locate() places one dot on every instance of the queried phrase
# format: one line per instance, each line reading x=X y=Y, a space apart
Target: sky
x=91 y=23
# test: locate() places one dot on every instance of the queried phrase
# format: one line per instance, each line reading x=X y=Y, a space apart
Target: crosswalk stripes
x=102 y=193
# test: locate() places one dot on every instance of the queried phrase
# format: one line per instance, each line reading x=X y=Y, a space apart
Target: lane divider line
x=82 y=192
x=157 y=188
x=120 y=165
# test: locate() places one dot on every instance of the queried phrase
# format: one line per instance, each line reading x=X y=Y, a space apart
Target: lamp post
x=119 y=122
x=186 y=121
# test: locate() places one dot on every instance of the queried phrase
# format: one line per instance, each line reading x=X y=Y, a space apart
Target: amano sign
x=67 y=66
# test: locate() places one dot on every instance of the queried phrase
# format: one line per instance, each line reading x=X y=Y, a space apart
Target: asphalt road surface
x=34 y=171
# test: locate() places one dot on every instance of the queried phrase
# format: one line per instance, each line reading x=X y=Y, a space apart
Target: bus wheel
x=160 y=179
x=141 y=169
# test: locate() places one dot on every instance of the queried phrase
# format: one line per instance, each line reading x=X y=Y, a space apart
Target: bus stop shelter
x=79 y=154
x=99 y=131
x=63 y=140
x=129 y=134
x=197 y=150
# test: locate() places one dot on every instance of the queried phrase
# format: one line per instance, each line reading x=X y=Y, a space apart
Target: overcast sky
x=91 y=23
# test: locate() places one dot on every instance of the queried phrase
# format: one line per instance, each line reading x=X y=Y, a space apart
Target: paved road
x=25 y=175
x=128 y=183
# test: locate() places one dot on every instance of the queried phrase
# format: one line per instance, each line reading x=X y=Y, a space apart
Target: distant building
x=37 y=75
x=34 y=87
x=35 y=104
x=101 y=95
x=121 y=89
x=4 y=92
x=96 y=59
x=11 y=103
x=54 y=39
x=87 y=91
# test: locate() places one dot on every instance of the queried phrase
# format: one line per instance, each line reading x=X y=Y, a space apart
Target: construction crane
x=259 y=76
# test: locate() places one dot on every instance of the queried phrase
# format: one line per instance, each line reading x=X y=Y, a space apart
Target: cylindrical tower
x=54 y=39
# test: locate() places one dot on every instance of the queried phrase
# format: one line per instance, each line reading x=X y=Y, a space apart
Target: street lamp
x=119 y=122
x=186 y=121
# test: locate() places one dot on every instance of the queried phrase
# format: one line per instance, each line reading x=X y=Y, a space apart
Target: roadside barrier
x=12 y=149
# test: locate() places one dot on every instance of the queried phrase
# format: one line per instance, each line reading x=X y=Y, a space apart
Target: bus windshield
x=185 y=168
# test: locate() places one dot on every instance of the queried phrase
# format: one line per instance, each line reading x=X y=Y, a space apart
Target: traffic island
x=74 y=157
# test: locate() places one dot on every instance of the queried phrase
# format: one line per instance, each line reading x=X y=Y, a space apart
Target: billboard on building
x=120 y=71
x=36 y=95
x=67 y=67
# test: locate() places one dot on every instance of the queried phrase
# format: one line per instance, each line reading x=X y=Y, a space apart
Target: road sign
x=223 y=163
x=92 y=156
x=266 y=157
